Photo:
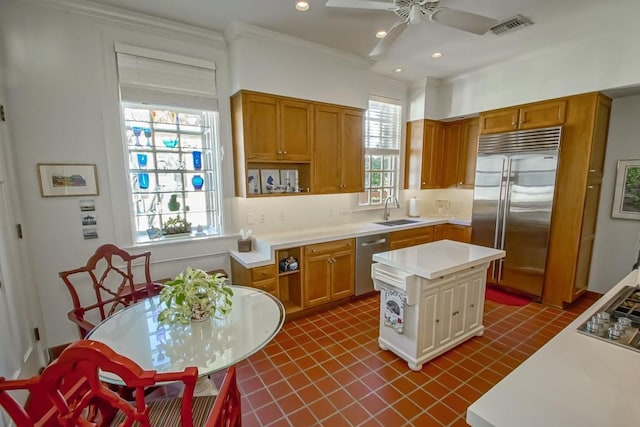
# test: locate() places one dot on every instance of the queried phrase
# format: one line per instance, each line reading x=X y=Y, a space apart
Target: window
x=382 y=151
x=172 y=171
x=170 y=121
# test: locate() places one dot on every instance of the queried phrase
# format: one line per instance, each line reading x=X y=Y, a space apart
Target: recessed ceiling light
x=436 y=55
x=381 y=34
x=302 y=6
x=398 y=70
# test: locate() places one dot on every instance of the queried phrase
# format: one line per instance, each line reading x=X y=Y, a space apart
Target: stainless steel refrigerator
x=513 y=200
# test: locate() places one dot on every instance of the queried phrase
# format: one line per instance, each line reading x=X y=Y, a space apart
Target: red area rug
x=501 y=297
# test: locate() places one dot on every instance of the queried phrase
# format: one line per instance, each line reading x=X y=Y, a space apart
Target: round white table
x=212 y=345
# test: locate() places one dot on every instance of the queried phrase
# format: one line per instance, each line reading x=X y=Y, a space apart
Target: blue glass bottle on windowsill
x=197 y=182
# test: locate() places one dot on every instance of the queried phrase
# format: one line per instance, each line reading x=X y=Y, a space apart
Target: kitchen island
x=573 y=380
x=432 y=297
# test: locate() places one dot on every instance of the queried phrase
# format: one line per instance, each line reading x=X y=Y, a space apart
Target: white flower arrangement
x=195 y=295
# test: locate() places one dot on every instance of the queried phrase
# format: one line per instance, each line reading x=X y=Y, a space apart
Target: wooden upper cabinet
x=276 y=128
x=339 y=149
x=451 y=154
x=440 y=155
x=296 y=130
x=468 y=153
x=600 y=131
x=352 y=155
x=260 y=127
x=530 y=116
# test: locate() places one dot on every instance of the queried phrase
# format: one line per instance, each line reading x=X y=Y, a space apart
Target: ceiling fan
x=412 y=11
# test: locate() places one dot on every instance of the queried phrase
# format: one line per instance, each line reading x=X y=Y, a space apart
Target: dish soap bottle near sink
x=414 y=210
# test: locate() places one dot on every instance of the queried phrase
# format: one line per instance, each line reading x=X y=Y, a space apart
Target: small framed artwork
x=67 y=180
x=270 y=180
x=289 y=178
x=626 y=198
x=253 y=181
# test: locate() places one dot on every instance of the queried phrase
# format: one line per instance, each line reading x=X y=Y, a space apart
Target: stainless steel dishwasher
x=365 y=248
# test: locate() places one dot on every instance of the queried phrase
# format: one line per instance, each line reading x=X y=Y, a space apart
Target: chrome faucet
x=385 y=213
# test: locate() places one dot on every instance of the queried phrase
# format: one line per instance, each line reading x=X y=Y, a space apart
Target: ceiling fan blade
x=388 y=40
x=461 y=20
x=362 y=4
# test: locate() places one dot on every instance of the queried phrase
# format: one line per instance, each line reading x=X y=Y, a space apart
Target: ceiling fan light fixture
x=381 y=34
x=302 y=6
x=415 y=15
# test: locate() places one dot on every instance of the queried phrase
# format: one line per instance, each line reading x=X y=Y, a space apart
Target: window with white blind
x=382 y=151
x=170 y=121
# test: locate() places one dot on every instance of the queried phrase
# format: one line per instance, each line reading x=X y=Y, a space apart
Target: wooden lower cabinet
x=329 y=272
x=263 y=278
x=414 y=236
x=459 y=233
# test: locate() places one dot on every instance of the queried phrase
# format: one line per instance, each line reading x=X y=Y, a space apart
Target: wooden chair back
x=107 y=284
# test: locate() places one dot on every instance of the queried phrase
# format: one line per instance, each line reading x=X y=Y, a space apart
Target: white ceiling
x=353 y=30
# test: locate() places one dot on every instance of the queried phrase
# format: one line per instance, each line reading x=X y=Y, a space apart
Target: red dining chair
x=69 y=393
x=106 y=284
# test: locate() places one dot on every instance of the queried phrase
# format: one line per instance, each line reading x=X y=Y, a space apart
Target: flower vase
x=197 y=182
x=199 y=312
x=174 y=204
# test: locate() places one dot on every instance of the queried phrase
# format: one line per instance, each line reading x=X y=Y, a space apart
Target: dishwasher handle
x=374 y=242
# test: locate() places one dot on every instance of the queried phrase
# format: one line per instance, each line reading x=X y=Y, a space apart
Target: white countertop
x=264 y=246
x=573 y=380
x=432 y=260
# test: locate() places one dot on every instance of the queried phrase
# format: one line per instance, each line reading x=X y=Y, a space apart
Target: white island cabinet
x=432 y=297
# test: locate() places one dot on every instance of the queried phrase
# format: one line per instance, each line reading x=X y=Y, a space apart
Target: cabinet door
x=599 y=142
x=427 y=170
x=459 y=233
x=439 y=232
x=429 y=322
x=327 y=130
x=414 y=160
x=542 y=114
x=261 y=127
x=352 y=153
x=475 y=301
x=317 y=279
x=296 y=126
x=446 y=303
x=504 y=120
x=458 y=315
x=468 y=154
x=343 y=274
x=451 y=154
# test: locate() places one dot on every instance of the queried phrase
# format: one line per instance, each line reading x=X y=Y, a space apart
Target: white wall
x=616 y=245
x=608 y=59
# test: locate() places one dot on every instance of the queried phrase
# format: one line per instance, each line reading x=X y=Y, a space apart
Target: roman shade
x=161 y=78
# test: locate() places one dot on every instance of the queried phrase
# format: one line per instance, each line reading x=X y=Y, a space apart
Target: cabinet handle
x=592 y=170
x=314 y=251
x=424 y=183
x=455 y=313
x=472 y=305
x=437 y=320
x=513 y=123
x=589 y=186
x=279 y=152
x=284 y=152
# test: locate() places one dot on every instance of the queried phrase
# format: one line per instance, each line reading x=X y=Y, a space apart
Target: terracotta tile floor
x=327 y=369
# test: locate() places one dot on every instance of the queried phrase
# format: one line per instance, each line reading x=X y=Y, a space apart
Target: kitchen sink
x=397 y=222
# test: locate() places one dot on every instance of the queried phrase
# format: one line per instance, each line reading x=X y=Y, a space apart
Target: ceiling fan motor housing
x=411 y=11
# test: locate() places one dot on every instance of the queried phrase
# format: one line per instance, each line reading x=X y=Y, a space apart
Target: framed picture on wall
x=626 y=198
x=67 y=180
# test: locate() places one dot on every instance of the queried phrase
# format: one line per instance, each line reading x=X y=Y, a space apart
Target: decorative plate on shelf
x=270 y=180
x=253 y=181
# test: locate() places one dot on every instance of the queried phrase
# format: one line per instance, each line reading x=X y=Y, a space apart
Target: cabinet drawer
x=421 y=233
x=268 y=285
x=337 y=245
x=262 y=273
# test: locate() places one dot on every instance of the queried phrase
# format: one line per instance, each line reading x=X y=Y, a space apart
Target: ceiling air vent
x=511 y=24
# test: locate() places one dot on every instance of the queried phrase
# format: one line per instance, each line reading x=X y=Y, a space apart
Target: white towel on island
x=393 y=302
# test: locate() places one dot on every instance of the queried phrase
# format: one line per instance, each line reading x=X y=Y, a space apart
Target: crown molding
x=121 y=16
x=236 y=30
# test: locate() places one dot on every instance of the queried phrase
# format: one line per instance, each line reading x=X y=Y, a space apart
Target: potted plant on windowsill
x=193 y=296
x=175 y=226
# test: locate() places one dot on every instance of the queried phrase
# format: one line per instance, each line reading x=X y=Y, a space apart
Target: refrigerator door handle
x=505 y=210
x=497 y=228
